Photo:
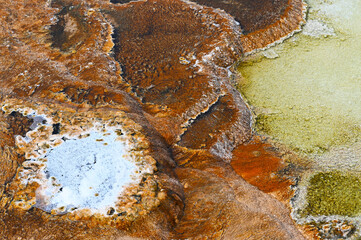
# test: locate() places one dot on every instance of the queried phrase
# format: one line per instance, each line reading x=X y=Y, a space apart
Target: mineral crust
x=263 y=22
x=157 y=69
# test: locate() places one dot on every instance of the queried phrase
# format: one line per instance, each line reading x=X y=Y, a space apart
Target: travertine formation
x=158 y=70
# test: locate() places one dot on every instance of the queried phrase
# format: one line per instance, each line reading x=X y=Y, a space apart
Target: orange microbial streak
x=260 y=164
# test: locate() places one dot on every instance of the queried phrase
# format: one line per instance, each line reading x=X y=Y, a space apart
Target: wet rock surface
x=159 y=69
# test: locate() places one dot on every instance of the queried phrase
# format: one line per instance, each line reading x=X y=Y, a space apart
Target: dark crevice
x=208 y=125
x=56 y=128
x=120 y=1
x=116 y=51
x=185 y=136
x=115 y=38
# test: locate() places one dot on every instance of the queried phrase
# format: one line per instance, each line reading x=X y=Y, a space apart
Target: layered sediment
x=286 y=25
x=157 y=70
x=264 y=23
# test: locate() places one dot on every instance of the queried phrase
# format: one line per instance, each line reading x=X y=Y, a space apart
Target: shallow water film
x=306 y=94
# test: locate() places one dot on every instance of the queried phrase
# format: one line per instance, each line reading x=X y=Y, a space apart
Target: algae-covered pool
x=306 y=94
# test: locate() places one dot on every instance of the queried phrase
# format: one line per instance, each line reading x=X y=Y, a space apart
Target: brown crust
x=290 y=22
x=264 y=22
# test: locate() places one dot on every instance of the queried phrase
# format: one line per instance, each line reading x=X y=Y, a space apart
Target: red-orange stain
x=260 y=164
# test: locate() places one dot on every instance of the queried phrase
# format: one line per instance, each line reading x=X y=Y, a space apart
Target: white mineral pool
x=86 y=173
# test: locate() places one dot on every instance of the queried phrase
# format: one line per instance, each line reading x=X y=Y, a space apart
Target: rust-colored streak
x=204 y=177
x=260 y=164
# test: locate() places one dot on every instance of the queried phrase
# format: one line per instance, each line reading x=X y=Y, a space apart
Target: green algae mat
x=306 y=94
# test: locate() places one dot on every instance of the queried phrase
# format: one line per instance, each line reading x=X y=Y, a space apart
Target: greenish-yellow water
x=306 y=94
x=333 y=193
x=309 y=97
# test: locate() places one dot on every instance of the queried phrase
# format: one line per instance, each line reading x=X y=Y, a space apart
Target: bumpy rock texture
x=163 y=66
x=263 y=22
